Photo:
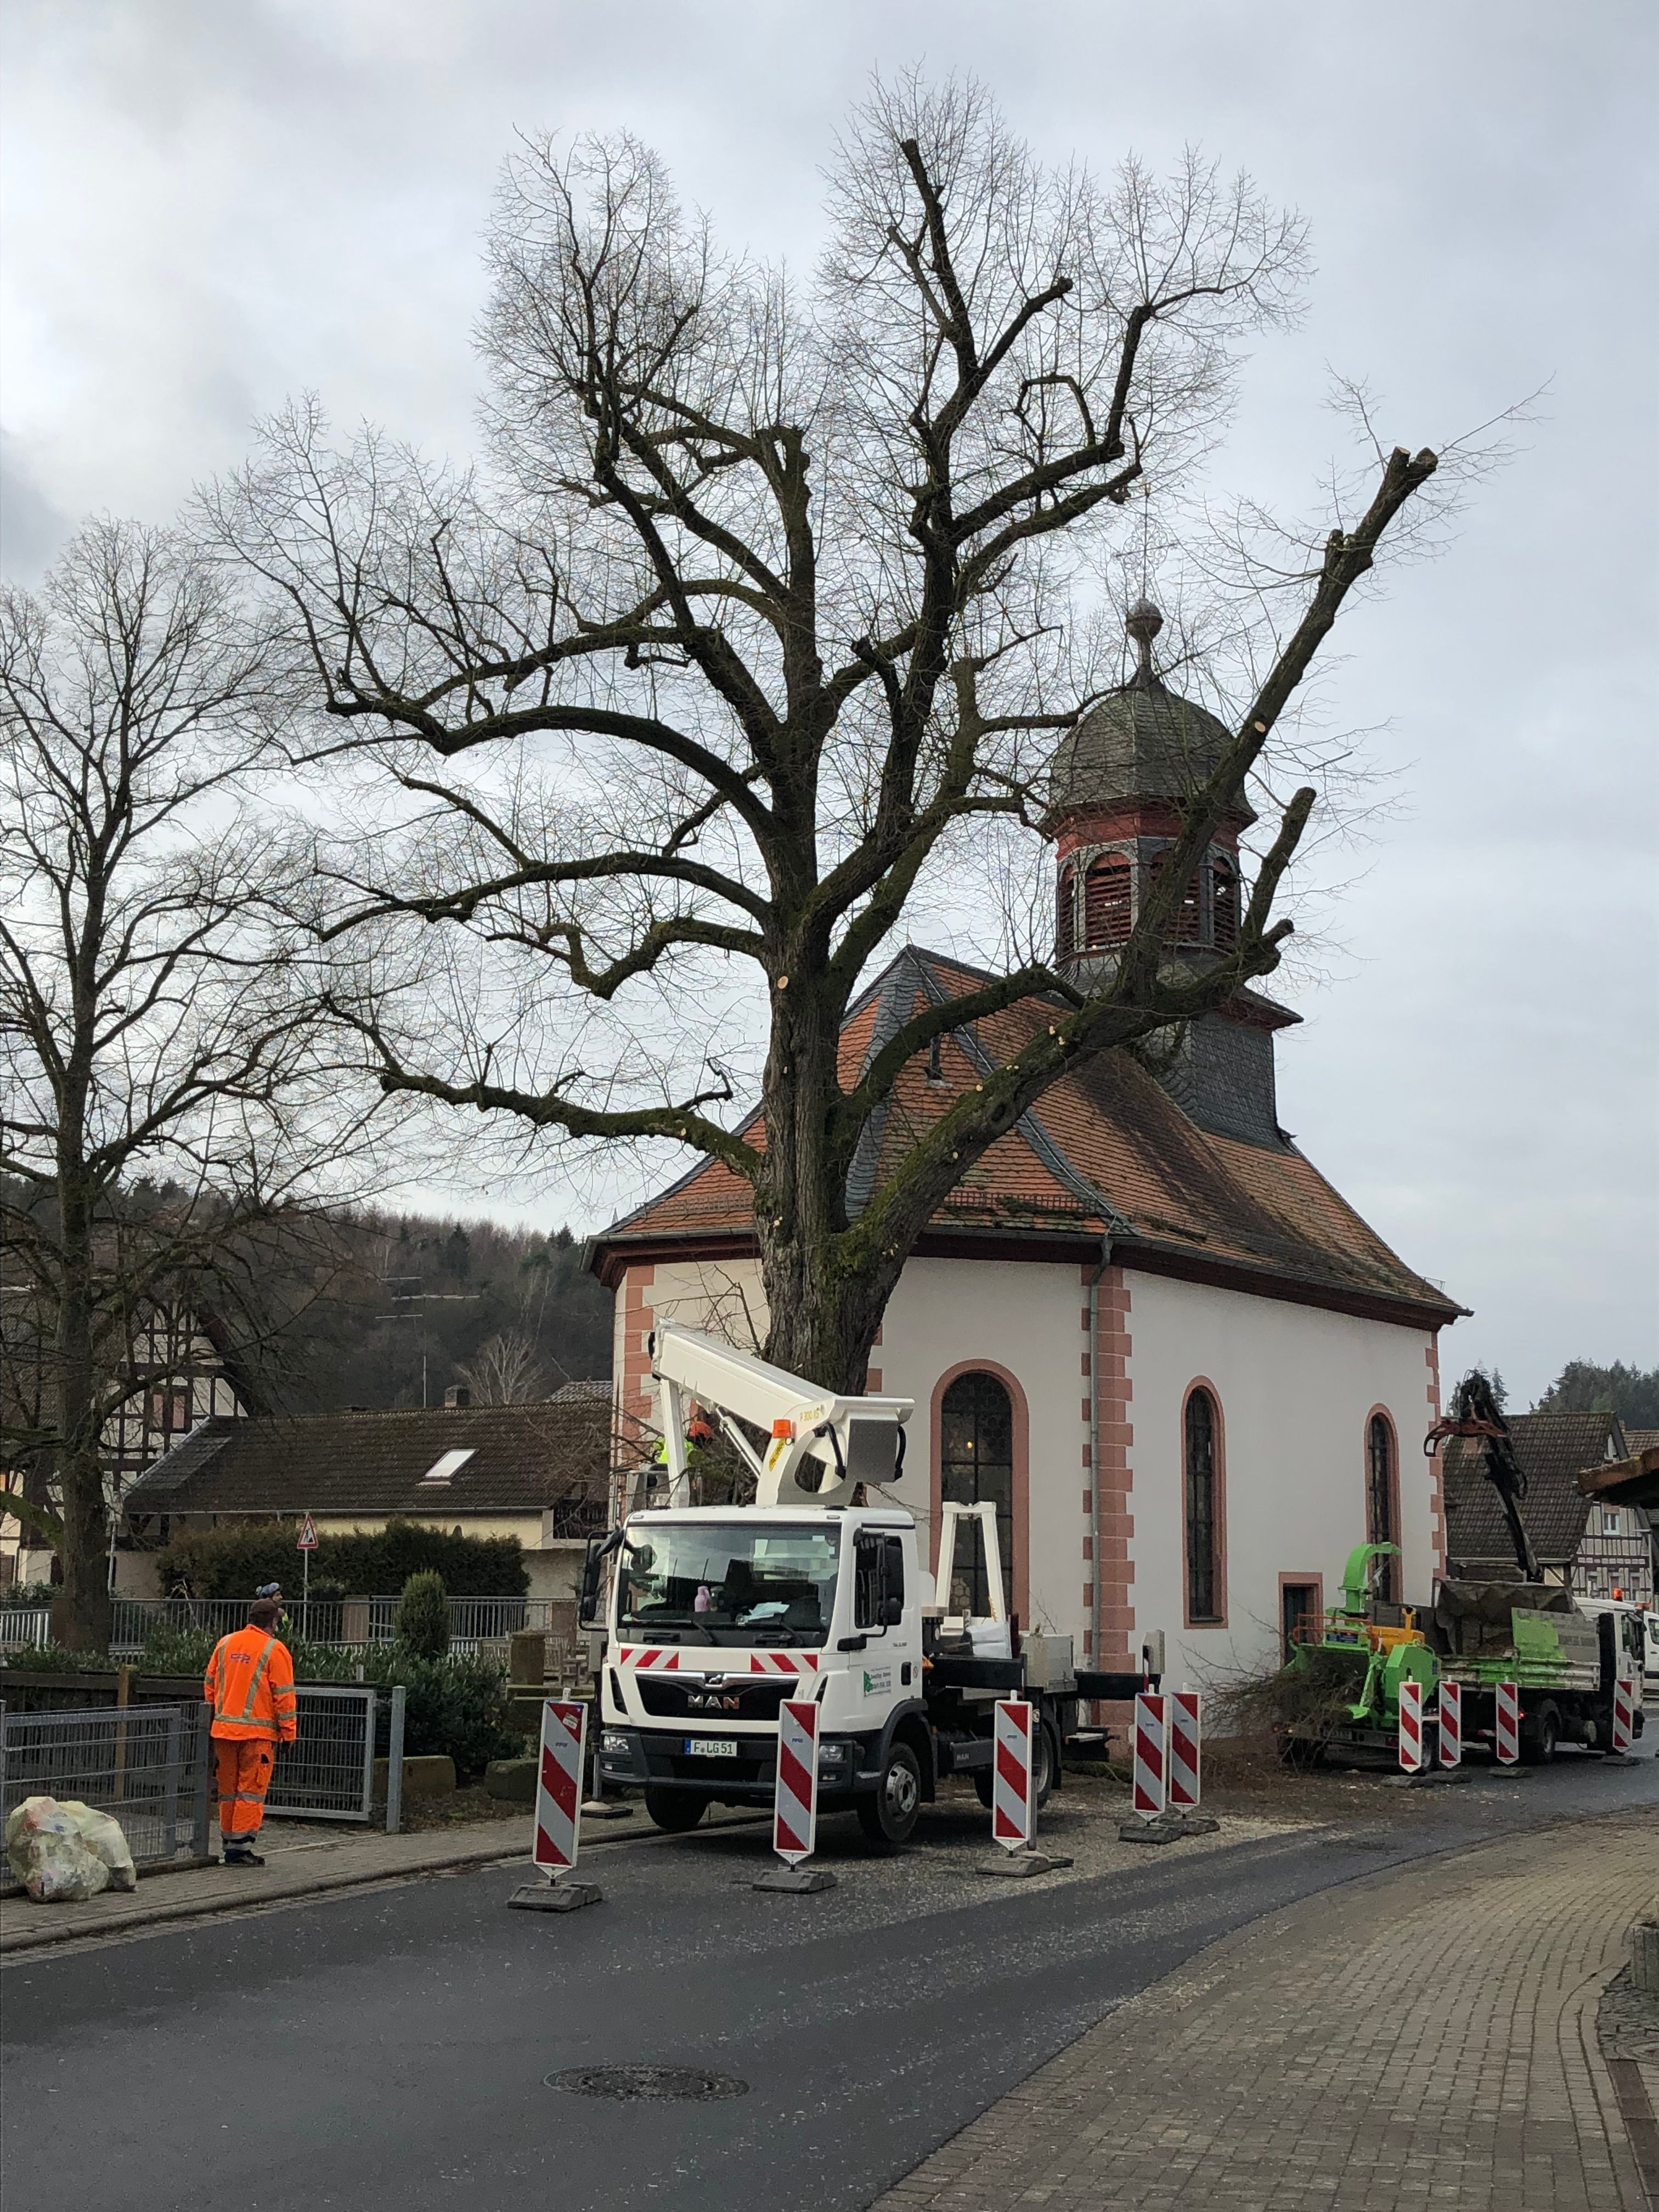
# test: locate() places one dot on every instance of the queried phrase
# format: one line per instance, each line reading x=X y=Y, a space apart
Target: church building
x=1189 y=1375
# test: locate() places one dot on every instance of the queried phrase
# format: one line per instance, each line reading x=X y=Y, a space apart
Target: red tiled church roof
x=1104 y=1148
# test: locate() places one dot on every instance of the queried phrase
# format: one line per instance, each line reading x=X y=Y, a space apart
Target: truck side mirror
x=588 y=1608
x=892 y=1612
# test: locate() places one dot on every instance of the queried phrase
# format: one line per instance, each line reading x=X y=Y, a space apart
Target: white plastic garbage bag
x=49 y=1855
x=102 y=1835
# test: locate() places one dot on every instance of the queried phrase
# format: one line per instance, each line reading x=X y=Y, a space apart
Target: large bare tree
x=763 y=613
x=163 y=1100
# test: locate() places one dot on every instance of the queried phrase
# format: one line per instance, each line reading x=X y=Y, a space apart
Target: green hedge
x=233 y=1562
x=455 y=1706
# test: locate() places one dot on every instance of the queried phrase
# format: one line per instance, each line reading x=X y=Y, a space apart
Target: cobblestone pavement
x=1425 y=2038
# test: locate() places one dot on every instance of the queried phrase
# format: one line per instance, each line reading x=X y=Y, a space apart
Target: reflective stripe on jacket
x=249 y=1687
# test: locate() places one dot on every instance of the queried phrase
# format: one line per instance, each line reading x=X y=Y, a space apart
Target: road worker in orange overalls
x=249 y=1687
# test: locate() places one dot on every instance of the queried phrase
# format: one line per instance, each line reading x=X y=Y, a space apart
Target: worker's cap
x=269 y=1589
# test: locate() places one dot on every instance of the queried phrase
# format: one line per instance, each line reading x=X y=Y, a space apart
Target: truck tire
x=889 y=1818
x=1047 y=1767
x=677 y=1811
x=1538 y=1744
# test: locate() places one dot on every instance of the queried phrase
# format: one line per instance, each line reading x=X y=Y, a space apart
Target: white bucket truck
x=714 y=1614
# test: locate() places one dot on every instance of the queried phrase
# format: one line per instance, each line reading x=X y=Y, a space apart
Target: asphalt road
x=393 y=2048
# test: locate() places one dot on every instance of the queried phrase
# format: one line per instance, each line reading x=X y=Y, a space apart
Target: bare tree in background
x=507 y=1370
x=165 y=1101
x=765 y=614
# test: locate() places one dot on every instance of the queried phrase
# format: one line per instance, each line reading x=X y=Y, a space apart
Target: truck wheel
x=676 y=1810
x=1545 y=1736
x=890 y=1817
x=1047 y=1767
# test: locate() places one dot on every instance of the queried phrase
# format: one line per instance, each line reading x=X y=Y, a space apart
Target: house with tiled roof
x=1188 y=1373
x=1595 y=1547
x=538 y=1472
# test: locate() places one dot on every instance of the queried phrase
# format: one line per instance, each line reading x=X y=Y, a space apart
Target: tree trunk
x=82 y=1614
x=826 y=1289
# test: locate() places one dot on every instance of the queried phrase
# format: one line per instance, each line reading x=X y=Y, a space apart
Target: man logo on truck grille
x=704 y=1703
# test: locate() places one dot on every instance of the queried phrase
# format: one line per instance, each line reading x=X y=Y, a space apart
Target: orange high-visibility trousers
x=242 y=1768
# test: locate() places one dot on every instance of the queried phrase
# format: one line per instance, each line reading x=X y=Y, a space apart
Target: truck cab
x=717 y=1615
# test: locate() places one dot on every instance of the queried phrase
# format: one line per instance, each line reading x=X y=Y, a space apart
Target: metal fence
x=475 y=1624
x=327 y=1773
x=23 y=1625
x=149 y=1765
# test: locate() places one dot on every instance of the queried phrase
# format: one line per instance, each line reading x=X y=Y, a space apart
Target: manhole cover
x=686 y=2084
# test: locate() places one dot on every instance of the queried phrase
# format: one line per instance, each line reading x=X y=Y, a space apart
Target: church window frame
x=1203 y=1506
x=1018 y=1563
x=1225 y=901
x=1186 y=925
x=1382 y=1459
x=1065 y=935
x=1108 y=901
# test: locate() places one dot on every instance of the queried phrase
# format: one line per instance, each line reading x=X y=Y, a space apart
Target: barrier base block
x=1020 y=1866
x=553 y=1896
x=1620 y=1758
x=795 y=1881
x=606 y=1808
x=1167 y=1828
x=1427 y=1778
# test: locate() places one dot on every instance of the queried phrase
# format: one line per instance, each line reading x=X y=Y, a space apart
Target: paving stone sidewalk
x=1427 y=2038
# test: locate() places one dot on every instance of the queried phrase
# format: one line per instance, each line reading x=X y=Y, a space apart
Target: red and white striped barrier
x=1148 y=1769
x=1624 y=1713
x=1011 y=1770
x=795 y=1807
x=1450 y=1708
x=1186 y=1776
x=1411 y=1726
x=1507 y=1736
x=559 y=1786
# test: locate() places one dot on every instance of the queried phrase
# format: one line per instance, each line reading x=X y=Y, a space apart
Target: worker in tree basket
x=249 y=1687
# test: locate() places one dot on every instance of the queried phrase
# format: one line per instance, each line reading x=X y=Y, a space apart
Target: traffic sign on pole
x=1012 y=1810
x=306 y=1540
x=1449 y=1706
x=1185 y=1777
x=558 y=1812
x=1507 y=1724
x=1149 y=1765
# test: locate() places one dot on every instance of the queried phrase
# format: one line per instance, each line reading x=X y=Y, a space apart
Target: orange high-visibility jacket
x=249 y=1687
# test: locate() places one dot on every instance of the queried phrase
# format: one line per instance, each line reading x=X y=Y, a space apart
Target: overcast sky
x=208 y=206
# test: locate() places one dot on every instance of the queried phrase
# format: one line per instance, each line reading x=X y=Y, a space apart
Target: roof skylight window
x=450 y=1463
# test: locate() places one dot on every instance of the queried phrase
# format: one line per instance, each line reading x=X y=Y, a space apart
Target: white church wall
x=1295 y=1386
x=1021 y=1319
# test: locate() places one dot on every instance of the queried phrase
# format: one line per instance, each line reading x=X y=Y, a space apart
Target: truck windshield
x=726 y=1584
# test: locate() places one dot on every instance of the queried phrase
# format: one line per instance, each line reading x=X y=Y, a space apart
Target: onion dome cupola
x=1119 y=784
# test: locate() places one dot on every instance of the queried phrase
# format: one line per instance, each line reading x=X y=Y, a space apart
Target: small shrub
x=420 y=1623
x=455 y=1706
x=56 y=1659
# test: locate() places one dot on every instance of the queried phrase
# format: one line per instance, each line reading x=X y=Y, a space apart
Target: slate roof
x=1144 y=742
x=1103 y=1148
x=1551 y=1447
x=522 y=1459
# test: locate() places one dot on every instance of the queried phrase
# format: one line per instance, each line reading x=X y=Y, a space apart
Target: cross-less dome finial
x=1143 y=621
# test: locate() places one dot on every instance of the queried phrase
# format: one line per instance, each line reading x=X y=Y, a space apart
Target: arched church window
x=1185 y=925
x=1065 y=916
x=1382 y=1513
x=977 y=1467
x=1224 y=904
x=1106 y=905
x=1202 y=1504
